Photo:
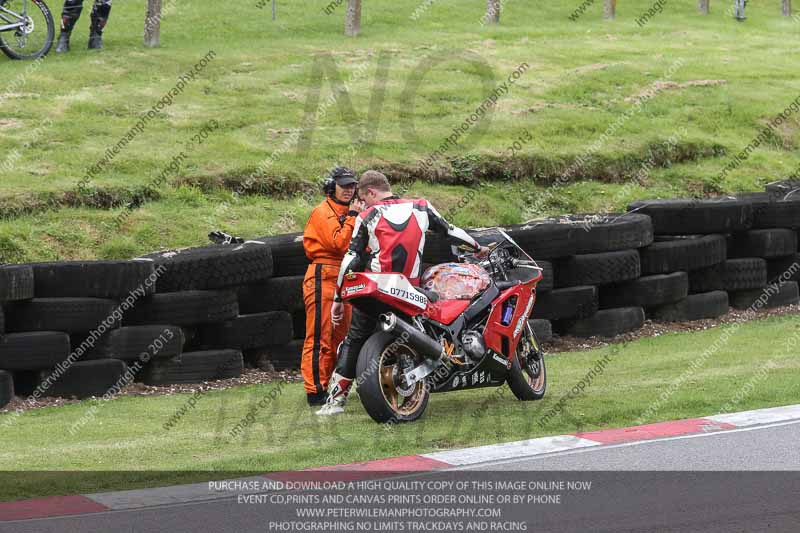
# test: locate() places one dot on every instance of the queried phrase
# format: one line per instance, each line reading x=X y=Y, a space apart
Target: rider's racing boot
x=95 y=40
x=337 y=395
x=63 y=42
x=96 y=32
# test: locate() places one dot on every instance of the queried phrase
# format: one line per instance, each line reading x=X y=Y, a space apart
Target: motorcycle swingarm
x=420 y=372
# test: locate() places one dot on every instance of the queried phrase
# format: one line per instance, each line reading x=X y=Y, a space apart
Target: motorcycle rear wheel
x=527 y=378
x=379 y=388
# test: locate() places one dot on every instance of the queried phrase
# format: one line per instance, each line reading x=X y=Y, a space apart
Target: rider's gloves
x=219 y=237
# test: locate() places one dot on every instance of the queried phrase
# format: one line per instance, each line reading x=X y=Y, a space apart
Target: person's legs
x=339 y=335
x=322 y=338
x=69 y=16
x=329 y=357
x=100 y=13
x=309 y=362
x=362 y=326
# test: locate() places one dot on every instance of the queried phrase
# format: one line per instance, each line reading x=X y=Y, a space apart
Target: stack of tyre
x=726 y=249
x=591 y=285
x=198 y=291
x=282 y=293
x=58 y=317
x=16 y=285
x=772 y=245
x=86 y=328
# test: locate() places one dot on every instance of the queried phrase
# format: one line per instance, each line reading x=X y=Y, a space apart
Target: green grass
x=258 y=84
x=127 y=434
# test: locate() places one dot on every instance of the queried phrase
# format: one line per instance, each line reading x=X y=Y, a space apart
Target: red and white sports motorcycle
x=426 y=343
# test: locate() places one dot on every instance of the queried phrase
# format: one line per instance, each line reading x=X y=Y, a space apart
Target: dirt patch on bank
x=9 y=123
x=547 y=170
x=661 y=86
x=99 y=198
x=539 y=169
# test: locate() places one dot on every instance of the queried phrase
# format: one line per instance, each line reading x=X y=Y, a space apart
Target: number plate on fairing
x=399 y=287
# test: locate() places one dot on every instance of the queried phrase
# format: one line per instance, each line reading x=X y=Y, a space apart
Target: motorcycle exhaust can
x=424 y=345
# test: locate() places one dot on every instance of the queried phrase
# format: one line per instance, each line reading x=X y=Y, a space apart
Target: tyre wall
x=188 y=316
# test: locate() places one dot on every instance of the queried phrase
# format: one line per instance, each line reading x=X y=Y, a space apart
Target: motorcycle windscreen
x=522 y=273
x=489 y=236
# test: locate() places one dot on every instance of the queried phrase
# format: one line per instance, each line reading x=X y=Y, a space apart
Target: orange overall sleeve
x=325 y=239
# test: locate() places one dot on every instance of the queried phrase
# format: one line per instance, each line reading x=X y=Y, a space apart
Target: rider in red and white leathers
x=389 y=236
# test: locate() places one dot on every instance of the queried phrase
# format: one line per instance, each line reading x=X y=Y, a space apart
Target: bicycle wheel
x=35 y=37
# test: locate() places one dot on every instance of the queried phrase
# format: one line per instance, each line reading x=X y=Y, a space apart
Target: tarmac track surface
x=744 y=480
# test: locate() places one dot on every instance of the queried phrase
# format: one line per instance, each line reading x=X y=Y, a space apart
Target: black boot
x=99 y=21
x=63 y=42
x=95 y=40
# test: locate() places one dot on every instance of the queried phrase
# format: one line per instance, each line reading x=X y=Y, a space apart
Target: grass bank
x=706 y=82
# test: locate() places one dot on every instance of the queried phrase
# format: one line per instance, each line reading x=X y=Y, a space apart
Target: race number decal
x=398 y=286
x=413 y=297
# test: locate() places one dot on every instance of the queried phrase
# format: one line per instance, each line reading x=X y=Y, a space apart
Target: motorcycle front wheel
x=527 y=378
x=381 y=388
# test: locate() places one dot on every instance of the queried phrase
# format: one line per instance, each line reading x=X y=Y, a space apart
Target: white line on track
x=591 y=449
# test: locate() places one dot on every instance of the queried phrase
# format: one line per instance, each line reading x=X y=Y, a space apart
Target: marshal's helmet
x=339 y=175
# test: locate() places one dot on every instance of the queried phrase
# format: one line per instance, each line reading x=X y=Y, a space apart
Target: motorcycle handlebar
x=526 y=263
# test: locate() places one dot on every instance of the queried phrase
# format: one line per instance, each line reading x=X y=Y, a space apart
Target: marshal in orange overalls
x=325 y=239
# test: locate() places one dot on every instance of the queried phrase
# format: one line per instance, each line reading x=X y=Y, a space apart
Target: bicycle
x=26 y=33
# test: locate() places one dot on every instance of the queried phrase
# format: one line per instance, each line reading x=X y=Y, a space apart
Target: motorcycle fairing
x=488 y=373
x=446 y=311
x=386 y=287
x=504 y=339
